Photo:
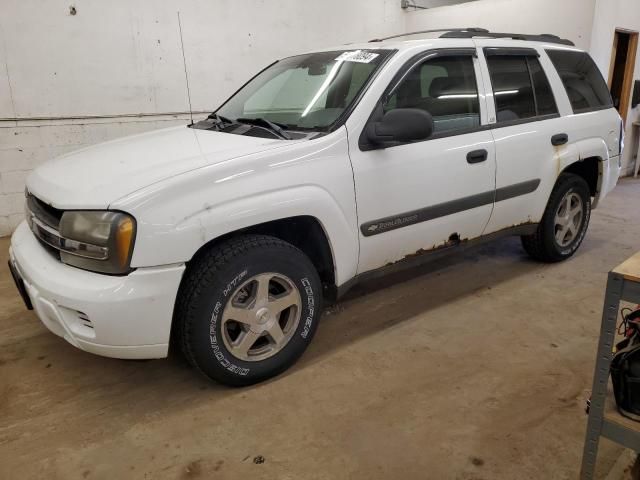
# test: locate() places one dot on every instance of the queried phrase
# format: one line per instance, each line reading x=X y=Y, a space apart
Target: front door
x=420 y=196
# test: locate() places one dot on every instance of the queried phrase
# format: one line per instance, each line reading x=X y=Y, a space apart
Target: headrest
x=507 y=116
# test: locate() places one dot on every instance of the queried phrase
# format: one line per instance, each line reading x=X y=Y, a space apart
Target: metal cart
x=623 y=284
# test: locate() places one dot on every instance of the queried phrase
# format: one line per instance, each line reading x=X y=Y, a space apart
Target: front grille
x=45 y=213
x=44 y=221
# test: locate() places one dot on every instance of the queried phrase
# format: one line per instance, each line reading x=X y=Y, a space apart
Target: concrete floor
x=475 y=368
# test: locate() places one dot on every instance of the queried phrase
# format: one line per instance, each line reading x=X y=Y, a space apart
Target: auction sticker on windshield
x=357 y=56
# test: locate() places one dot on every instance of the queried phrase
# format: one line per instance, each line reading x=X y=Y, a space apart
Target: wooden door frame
x=629 y=68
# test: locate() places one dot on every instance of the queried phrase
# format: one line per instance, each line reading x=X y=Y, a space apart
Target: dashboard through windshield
x=305 y=92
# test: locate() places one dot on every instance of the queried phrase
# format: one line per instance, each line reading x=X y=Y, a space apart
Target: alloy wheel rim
x=568 y=219
x=261 y=317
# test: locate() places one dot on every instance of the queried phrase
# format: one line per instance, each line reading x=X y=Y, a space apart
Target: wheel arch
x=590 y=169
x=179 y=225
x=303 y=231
x=592 y=153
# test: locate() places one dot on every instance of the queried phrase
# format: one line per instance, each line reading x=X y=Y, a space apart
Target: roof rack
x=545 y=37
x=473 y=32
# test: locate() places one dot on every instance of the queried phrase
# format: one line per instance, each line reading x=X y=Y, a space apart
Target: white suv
x=324 y=169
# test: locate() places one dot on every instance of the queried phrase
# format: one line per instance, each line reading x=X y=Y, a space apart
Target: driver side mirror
x=400 y=125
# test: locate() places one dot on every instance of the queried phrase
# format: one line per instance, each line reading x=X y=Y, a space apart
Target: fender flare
x=590 y=148
x=209 y=222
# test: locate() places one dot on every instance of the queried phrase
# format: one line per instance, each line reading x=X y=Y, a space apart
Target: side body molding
x=432 y=212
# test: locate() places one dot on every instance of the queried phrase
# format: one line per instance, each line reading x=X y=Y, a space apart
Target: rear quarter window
x=582 y=80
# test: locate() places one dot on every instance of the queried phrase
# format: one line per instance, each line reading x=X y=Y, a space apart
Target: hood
x=94 y=177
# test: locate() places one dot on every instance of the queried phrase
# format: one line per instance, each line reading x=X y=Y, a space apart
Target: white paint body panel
x=131 y=315
x=179 y=215
x=525 y=152
x=188 y=187
x=95 y=176
x=409 y=177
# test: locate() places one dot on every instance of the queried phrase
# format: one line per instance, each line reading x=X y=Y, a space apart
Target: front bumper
x=114 y=316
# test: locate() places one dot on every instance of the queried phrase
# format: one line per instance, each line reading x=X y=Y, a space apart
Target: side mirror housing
x=401 y=125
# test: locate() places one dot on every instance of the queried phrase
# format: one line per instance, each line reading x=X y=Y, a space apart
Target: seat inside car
x=451 y=100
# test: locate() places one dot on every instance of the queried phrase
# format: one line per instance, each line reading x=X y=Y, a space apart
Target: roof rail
x=545 y=37
x=467 y=31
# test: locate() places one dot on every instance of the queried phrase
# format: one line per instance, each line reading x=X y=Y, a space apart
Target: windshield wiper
x=212 y=122
x=268 y=124
x=220 y=120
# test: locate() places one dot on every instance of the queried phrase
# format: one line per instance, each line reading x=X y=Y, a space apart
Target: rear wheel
x=248 y=309
x=564 y=223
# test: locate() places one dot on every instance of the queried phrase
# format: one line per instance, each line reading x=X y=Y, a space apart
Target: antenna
x=184 y=61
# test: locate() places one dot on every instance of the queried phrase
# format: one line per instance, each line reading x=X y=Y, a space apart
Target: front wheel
x=248 y=309
x=564 y=223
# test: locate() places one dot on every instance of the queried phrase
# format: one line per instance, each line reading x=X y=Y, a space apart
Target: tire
x=230 y=282
x=544 y=245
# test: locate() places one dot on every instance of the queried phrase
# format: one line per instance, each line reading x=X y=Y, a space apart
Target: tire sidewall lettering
x=310 y=304
x=214 y=341
x=223 y=357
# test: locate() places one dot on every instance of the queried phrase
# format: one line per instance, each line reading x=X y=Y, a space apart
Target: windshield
x=305 y=92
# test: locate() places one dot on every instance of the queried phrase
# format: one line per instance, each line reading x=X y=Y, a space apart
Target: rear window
x=520 y=88
x=583 y=81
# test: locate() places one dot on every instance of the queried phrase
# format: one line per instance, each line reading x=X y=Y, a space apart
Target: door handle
x=559 y=139
x=477 y=156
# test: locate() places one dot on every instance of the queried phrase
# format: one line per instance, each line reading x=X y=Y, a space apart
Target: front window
x=446 y=88
x=305 y=92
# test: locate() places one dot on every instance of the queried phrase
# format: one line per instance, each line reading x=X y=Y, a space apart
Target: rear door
x=422 y=195
x=526 y=124
x=591 y=118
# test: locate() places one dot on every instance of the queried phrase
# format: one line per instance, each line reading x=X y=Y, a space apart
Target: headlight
x=97 y=241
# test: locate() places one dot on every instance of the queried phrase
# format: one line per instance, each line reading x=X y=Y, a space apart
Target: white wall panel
x=122 y=58
x=6 y=104
x=572 y=19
